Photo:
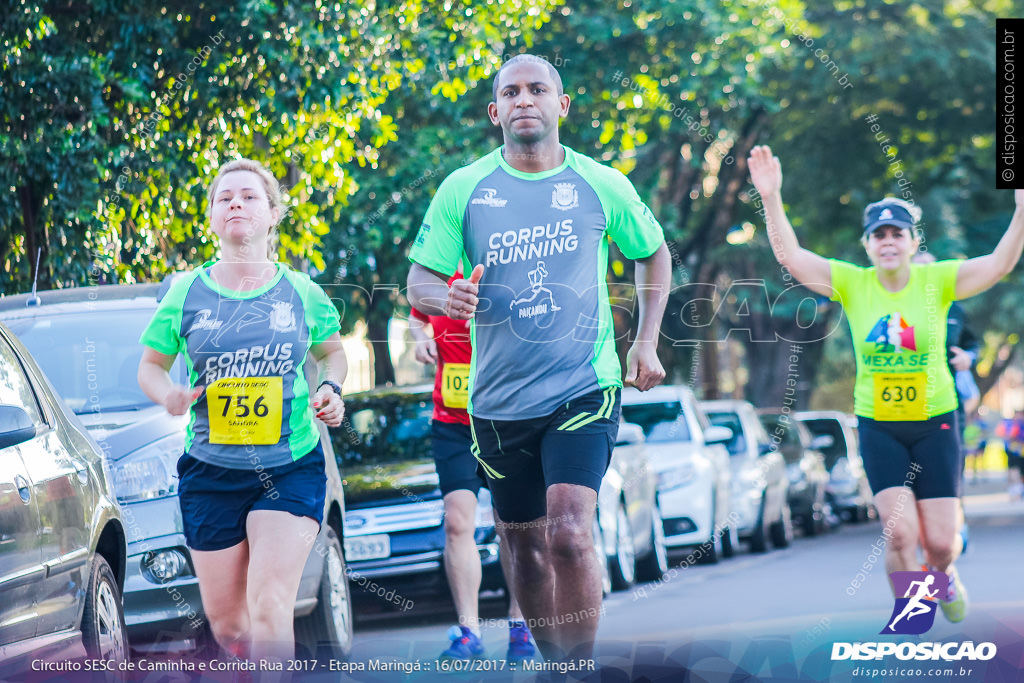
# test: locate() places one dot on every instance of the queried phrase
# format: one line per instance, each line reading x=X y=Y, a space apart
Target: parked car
x=394 y=522
x=805 y=468
x=628 y=523
x=692 y=464
x=62 y=537
x=759 y=483
x=86 y=339
x=849 y=493
x=394 y=533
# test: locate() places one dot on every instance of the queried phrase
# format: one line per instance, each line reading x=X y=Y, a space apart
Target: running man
x=915 y=605
x=452 y=442
x=544 y=384
x=904 y=396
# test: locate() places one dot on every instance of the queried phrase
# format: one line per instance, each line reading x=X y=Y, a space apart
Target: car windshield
x=661 y=422
x=784 y=431
x=91 y=358
x=383 y=448
x=737 y=445
x=831 y=427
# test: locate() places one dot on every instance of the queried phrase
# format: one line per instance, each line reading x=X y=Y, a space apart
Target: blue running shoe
x=465 y=644
x=520 y=645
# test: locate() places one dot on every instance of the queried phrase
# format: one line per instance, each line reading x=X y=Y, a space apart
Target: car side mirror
x=822 y=441
x=629 y=434
x=717 y=435
x=15 y=426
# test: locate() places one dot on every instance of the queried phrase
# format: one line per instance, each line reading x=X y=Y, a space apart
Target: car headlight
x=841 y=470
x=149 y=472
x=676 y=477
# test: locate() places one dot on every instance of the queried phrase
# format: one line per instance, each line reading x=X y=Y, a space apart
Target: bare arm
x=653 y=280
x=810 y=269
x=333 y=365
x=978 y=274
x=428 y=291
x=426 y=348
x=155 y=380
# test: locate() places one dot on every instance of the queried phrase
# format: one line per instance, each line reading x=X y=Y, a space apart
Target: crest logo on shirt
x=490 y=198
x=892 y=334
x=202 y=321
x=282 y=317
x=564 y=196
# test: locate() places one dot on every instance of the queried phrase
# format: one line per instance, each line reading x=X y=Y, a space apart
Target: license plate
x=367 y=547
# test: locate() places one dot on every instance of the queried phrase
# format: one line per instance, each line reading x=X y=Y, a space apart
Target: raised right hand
x=765 y=170
x=462 y=296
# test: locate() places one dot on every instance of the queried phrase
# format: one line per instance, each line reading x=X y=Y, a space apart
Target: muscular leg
x=279 y=543
x=898 y=511
x=534 y=581
x=505 y=556
x=461 y=559
x=571 y=510
x=222 y=585
x=939 y=531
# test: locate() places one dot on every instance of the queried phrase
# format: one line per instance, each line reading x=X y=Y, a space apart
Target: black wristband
x=333 y=385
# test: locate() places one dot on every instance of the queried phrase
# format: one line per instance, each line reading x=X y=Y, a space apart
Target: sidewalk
x=986 y=500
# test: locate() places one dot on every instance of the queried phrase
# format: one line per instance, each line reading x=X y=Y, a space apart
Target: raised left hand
x=329 y=407
x=643 y=369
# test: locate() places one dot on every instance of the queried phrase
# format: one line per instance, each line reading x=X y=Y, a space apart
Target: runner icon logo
x=914 y=613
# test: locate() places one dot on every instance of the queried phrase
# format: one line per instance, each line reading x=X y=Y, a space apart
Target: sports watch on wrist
x=333 y=385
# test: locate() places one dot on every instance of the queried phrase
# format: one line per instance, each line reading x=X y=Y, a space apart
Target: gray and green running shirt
x=248 y=350
x=543 y=331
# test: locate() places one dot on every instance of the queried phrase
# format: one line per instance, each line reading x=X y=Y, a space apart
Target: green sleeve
x=630 y=224
x=844 y=276
x=439 y=244
x=163 y=333
x=948 y=271
x=321 y=314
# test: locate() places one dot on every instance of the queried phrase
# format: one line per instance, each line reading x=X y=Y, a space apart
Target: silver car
x=62 y=537
x=86 y=339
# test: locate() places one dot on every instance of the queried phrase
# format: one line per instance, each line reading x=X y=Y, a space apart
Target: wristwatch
x=333 y=385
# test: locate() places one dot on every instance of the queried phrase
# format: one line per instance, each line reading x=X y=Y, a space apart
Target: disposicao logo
x=914 y=613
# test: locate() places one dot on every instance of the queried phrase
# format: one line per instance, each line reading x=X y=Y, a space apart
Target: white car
x=692 y=464
x=760 y=483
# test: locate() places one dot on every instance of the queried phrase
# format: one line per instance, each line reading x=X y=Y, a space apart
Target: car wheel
x=602 y=557
x=782 y=529
x=730 y=541
x=623 y=566
x=326 y=633
x=759 y=539
x=104 y=633
x=654 y=564
x=810 y=522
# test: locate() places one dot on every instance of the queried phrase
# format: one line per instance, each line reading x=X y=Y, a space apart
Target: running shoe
x=955 y=604
x=465 y=644
x=520 y=646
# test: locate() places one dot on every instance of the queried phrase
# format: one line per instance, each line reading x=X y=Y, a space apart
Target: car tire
x=623 y=564
x=759 y=539
x=104 y=633
x=810 y=522
x=326 y=633
x=653 y=565
x=782 y=529
x=730 y=542
x=602 y=557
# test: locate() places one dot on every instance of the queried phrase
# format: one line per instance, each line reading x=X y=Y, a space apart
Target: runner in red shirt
x=450 y=349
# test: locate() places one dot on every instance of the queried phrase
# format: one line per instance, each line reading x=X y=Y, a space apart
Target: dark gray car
x=87 y=341
x=62 y=537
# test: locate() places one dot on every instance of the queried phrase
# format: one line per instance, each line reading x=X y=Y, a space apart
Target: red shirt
x=453 y=347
